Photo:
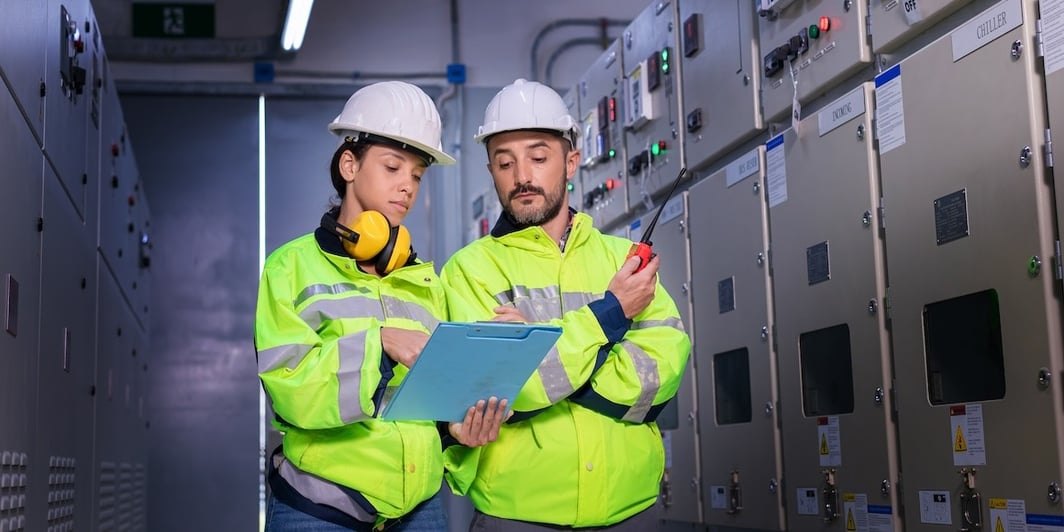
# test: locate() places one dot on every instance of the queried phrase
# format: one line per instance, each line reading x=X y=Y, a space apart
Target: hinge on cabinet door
x=888 y=305
x=1058 y=267
x=868 y=28
x=1041 y=45
x=881 y=214
x=1049 y=148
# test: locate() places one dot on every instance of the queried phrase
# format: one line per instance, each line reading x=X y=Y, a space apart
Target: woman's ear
x=348 y=165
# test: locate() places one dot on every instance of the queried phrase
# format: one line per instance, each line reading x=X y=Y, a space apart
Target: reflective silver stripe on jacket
x=675 y=323
x=331 y=289
x=319 y=490
x=352 y=353
x=543 y=305
x=351 y=307
x=555 y=380
x=646 y=368
x=397 y=308
x=288 y=356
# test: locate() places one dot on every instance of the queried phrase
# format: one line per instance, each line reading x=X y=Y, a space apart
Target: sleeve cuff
x=611 y=317
x=387 y=368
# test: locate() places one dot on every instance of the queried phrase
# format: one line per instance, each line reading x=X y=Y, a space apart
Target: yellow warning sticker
x=968 y=438
x=852 y=525
x=829 y=441
x=1009 y=515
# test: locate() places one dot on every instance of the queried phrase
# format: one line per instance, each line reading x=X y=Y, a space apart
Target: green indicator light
x=814 y=32
x=613 y=153
x=569 y=187
x=655 y=150
x=665 y=68
x=665 y=54
x=1034 y=266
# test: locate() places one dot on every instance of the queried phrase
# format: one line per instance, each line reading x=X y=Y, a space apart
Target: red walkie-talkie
x=643 y=249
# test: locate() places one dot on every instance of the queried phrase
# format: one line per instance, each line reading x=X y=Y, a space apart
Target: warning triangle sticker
x=998 y=527
x=852 y=525
x=824 y=445
x=959 y=445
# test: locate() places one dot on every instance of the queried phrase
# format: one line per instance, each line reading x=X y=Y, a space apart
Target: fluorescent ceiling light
x=295 y=24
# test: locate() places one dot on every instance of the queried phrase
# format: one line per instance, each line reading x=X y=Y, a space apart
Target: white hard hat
x=396 y=111
x=527 y=105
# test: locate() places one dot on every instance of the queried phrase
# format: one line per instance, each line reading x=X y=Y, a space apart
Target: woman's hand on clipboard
x=402 y=345
x=481 y=423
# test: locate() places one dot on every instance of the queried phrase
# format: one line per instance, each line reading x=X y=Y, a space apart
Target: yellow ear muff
x=396 y=253
x=374 y=232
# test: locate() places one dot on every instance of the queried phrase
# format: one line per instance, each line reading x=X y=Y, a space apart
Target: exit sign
x=173 y=20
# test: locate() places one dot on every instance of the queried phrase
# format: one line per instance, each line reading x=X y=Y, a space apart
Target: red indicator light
x=613 y=109
x=825 y=24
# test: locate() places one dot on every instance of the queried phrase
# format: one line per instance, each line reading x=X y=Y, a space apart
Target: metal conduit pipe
x=571 y=43
x=595 y=22
x=358 y=75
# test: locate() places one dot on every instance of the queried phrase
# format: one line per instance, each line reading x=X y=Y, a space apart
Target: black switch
x=786 y=52
x=800 y=43
x=692 y=34
x=634 y=165
x=694 y=120
x=773 y=63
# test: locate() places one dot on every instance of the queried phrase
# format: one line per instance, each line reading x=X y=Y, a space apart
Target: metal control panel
x=602 y=137
x=72 y=40
x=1052 y=13
x=894 y=22
x=974 y=285
x=23 y=63
x=736 y=364
x=808 y=47
x=680 y=491
x=20 y=207
x=61 y=476
x=721 y=77
x=125 y=223
x=652 y=103
x=840 y=458
x=575 y=186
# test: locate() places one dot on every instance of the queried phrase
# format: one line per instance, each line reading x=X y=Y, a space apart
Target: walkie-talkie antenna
x=653 y=223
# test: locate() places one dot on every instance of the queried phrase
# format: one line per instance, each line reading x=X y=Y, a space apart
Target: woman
x=342 y=314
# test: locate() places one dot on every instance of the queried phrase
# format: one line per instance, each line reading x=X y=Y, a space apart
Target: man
x=582 y=448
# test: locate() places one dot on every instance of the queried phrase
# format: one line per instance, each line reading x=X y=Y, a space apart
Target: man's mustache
x=525 y=189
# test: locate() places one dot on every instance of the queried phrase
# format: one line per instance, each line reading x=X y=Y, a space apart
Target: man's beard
x=553 y=204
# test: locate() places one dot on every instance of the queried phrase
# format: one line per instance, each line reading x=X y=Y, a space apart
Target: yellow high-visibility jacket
x=582 y=448
x=317 y=335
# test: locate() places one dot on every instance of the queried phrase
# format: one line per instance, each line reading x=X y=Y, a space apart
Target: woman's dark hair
x=358 y=149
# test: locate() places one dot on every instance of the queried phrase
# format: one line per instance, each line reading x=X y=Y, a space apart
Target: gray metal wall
x=199 y=158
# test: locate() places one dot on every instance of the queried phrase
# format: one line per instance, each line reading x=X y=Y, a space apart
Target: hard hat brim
x=441 y=158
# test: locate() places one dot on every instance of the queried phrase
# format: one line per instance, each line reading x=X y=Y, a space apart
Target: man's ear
x=572 y=163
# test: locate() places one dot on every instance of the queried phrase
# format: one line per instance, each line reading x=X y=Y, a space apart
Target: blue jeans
x=428 y=516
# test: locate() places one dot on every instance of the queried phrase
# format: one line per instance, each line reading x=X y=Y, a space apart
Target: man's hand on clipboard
x=481 y=424
x=508 y=313
x=401 y=345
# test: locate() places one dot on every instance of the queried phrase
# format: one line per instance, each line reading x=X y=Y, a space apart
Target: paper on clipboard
x=463 y=363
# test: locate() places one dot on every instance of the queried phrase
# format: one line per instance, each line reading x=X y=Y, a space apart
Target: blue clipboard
x=463 y=363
